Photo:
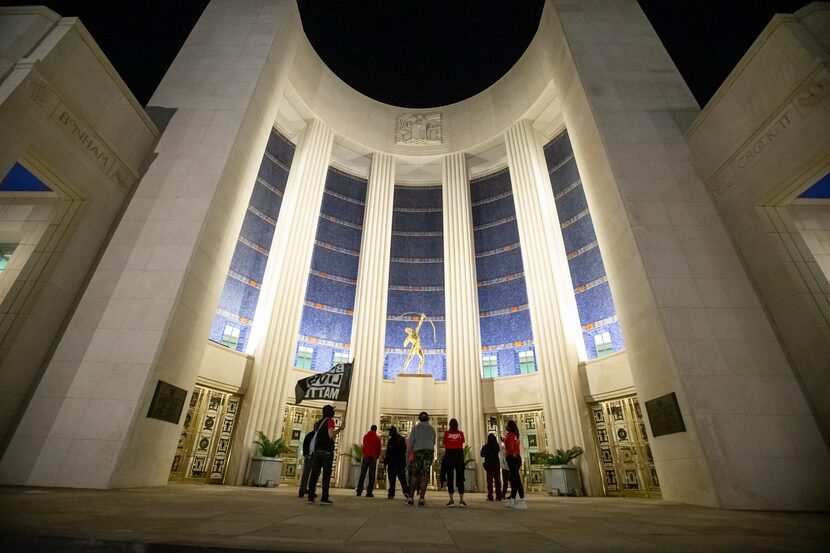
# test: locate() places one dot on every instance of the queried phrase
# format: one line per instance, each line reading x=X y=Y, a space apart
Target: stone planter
x=264 y=471
x=354 y=475
x=563 y=480
x=470 y=480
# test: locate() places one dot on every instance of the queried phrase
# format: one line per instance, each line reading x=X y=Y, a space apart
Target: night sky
x=422 y=53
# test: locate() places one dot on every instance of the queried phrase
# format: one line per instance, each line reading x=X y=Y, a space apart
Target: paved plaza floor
x=190 y=518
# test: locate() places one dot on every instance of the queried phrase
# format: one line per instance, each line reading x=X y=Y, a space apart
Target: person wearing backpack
x=322 y=455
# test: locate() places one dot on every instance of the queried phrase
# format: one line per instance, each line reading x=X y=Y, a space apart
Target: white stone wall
x=88 y=140
x=692 y=322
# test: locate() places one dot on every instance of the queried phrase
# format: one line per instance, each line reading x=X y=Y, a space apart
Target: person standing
x=369 y=463
x=322 y=455
x=395 y=461
x=454 y=462
x=505 y=470
x=492 y=466
x=307 y=459
x=513 y=453
x=421 y=448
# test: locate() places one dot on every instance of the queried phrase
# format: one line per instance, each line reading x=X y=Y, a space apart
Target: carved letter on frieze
x=418 y=128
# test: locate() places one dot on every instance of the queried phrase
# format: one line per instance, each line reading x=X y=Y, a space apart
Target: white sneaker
x=520 y=504
x=509 y=503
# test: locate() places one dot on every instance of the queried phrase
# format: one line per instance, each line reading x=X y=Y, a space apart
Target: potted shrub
x=469 y=470
x=266 y=465
x=561 y=477
x=354 y=470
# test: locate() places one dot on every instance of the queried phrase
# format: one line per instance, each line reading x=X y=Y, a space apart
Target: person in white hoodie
x=505 y=470
x=420 y=449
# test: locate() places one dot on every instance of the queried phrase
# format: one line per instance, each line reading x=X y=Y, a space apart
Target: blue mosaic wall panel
x=504 y=319
x=240 y=294
x=499 y=265
x=502 y=295
x=595 y=305
x=416 y=274
x=19 y=179
x=337 y=327
x=326 y=323
x=335 y=293
x=416 y=280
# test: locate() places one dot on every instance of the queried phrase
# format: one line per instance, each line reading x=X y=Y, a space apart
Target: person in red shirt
x=454 y=462
x=513 y=452
x=371 y=452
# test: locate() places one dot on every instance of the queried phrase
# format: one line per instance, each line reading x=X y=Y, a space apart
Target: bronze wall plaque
x=664 y=415
x=168 y=402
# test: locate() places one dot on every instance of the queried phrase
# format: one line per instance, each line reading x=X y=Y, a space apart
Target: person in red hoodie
x=513 y=452
x=454 y=461
x=371 y=452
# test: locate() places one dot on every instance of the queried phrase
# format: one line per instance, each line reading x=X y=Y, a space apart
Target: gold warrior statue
x=412 y=337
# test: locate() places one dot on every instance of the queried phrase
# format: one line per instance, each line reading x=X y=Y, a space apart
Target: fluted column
x=291 y=258
x=461 y=310
x=369 y=330
x=535 y=216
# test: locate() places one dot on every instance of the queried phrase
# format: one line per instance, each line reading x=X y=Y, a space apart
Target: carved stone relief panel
x=418 y=128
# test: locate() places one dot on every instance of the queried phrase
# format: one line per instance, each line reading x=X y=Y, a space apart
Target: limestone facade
x=718 y=273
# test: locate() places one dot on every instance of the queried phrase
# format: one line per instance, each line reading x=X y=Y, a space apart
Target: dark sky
x=422 y=53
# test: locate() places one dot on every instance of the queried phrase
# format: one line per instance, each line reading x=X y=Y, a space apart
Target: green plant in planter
x=271 y=448
x=468 y=457
x=561 y=457
x=357 y=453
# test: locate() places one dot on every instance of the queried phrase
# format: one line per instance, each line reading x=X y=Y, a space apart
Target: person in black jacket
x=307 y=460
x=490 y=452
x=395 y=461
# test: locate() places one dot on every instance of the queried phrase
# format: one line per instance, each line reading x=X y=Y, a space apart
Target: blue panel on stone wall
x=434 y=364
x=342 y=209
x=265 y=201
x=231 y=295
x=339 y=235
x=248 y=262
x=330 y=292
x=571 y=204
x=579 y=234
x=418 y=247
x=820 y=190
x=396 y=333
x=490 y=186
x=325 y=324
x=280 y=147
x=273 y=174
x=257 y=230
x=502 y=329
x=595 y=304
x=404 y=301
x=416 y=274
x=502 y=295
x=19 y=179
x=495 y=237
x=334 y=262
x=558 y=149
x=420 y=221
x=586 y=268
x=418 y=196
x=494 y=211
x=346 y=185
x=499 y=265
x=563 y=177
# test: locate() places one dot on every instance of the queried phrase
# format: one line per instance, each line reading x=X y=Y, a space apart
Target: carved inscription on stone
x=79 y=132
x=418 y=128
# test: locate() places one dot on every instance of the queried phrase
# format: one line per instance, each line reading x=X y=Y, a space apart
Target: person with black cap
x=322 y=455
x=421 y=445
